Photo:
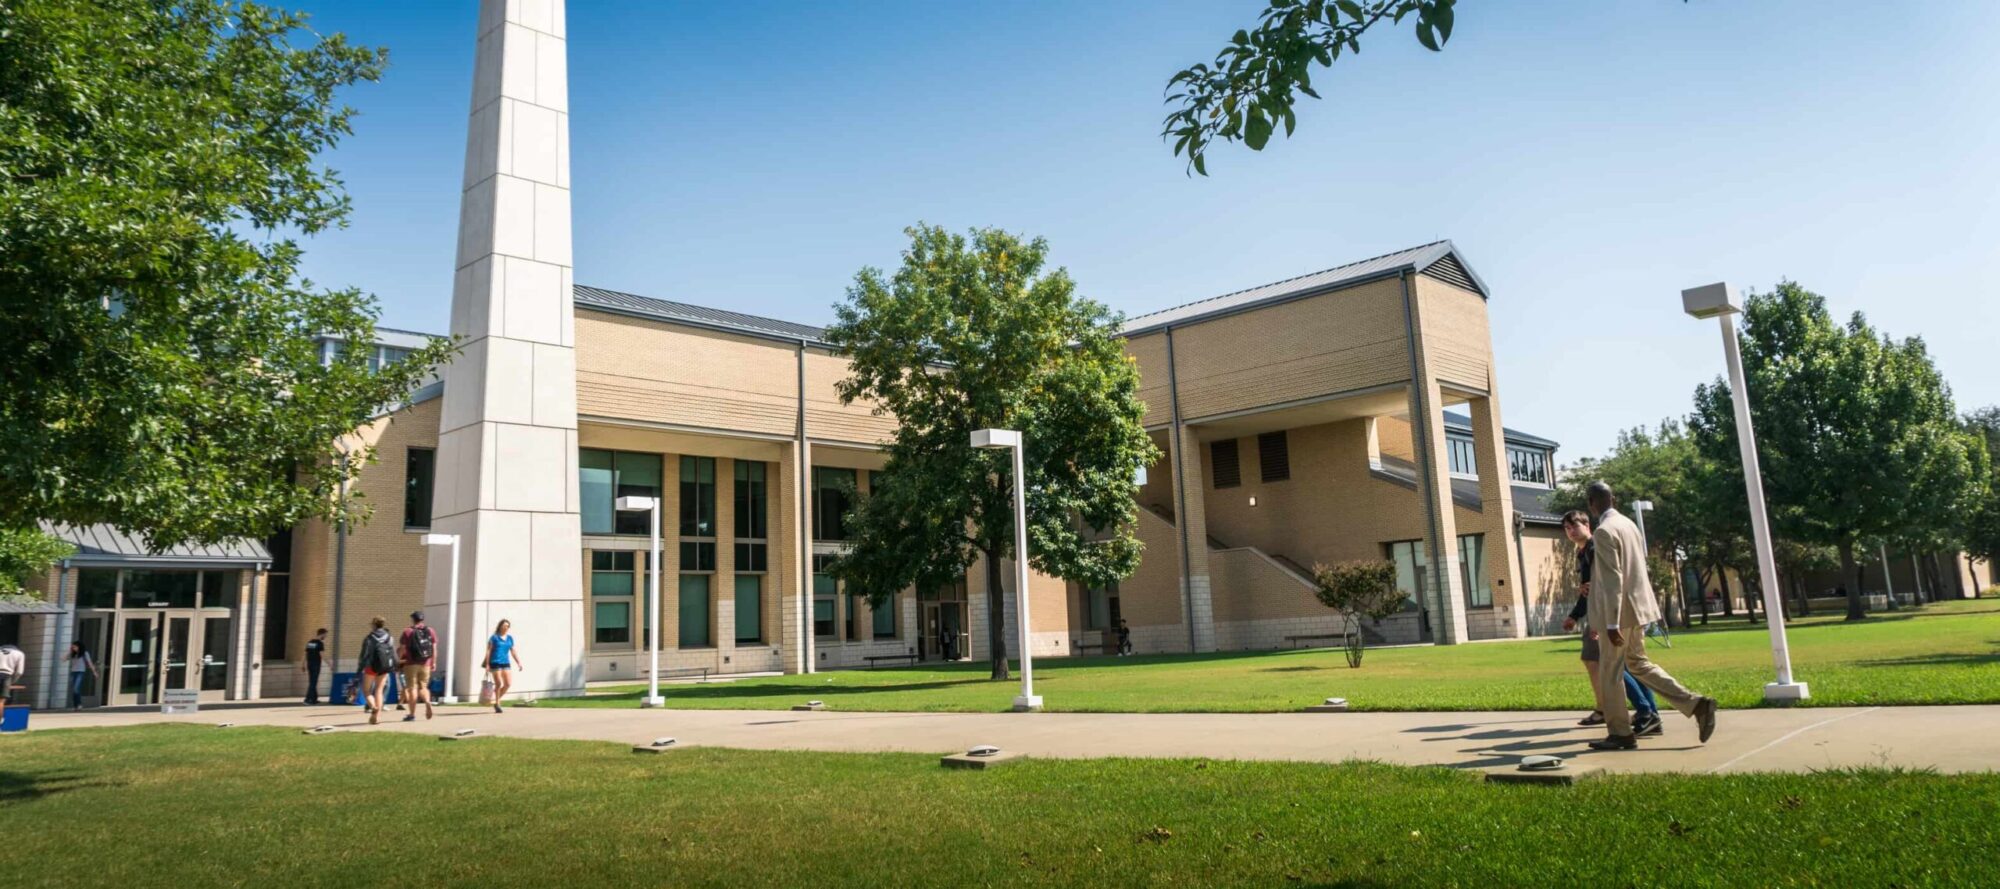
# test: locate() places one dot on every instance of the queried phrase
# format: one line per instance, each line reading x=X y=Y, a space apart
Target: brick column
x=722 y=586
x=781 y=594
x=1496 y=517
x=1447 y=605
x=670 y=555
x=1191 y=516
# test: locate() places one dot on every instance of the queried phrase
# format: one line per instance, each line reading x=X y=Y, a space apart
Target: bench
x=1315 y=637
x=906 y=658
x=700 y=674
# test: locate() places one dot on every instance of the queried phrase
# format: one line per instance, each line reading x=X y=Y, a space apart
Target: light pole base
x=654 y=701
x=1785 y=692
x=1027 y=703
x=448 y=699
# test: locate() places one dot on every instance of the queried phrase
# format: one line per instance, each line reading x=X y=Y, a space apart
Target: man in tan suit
x=1621 y=605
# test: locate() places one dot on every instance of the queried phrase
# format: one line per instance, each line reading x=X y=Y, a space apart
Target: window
x=698 y=513
x=605 y=476
x=852 y=624
x=277 y=616
x=830 y=502
x=390 y=355
x=695 y=611
x=885 y=618
x=97 y=588
x=825 y=587
x=219 y=589
x=1274 y=457
x=1460 y=452
x=420 y=468
x=753 y=507
x=1222 y=456
x=749 y=608
x=1528 y=466
x=1472 y=570
x=160 y=589
x=614 y=583
x=1412 y=569
x=1101 y=609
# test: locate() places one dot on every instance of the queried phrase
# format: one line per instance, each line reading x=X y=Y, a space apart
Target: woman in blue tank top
x=501 y=659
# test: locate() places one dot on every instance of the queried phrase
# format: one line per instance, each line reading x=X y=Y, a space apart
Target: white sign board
x=181 y=700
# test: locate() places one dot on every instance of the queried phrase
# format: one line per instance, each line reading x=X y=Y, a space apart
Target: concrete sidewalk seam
x=1790 y=735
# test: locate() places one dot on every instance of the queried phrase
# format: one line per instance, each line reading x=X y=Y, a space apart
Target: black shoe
x=1596 y=717
x=1649 y=726
x=1616 y=742
x=496 y=708
x=410 y=718
x=1704 y=716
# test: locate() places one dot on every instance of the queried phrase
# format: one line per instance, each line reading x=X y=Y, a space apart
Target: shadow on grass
x=16 y=787
x=1933 y=660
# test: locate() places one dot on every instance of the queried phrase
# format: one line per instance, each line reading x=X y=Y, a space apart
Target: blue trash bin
x=346 y=688
x=388 y=691
x=15 y=719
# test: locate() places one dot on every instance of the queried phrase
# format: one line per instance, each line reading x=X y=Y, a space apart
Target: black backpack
x=422 y=644
x=379 y=656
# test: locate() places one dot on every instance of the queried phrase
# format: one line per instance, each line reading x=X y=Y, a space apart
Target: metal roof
x=698 y=316
x=9 y=606
x=1414 y=259
x=1458 y=422
x=103 y=543
x=1536 y=504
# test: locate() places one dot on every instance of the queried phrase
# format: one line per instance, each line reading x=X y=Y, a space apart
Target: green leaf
x=1441 y=17
x=1256 y=129
x=1425 y=37
x=1353 y=9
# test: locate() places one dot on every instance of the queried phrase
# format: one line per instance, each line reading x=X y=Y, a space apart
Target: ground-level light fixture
x=450 y=616
x=1010 y=440
x=1720 y=301
x=650 y=506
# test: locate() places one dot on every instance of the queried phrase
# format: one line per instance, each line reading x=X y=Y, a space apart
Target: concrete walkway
x=1949 y=739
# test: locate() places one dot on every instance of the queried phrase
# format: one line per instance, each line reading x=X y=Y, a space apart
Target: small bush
x=1358 y=589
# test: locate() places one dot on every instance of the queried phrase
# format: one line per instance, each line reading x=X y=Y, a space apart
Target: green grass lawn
x=1948 y=653
x=180 y=805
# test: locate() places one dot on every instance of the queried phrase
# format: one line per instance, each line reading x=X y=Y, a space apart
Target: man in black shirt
x=315 y=648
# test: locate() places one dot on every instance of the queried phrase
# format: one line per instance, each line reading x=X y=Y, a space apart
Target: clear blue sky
x=1590 y=158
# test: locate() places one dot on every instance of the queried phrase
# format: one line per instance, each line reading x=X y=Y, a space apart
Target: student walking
x=315 y=653
x=1621 y=605
x=378 y=660
x=81 y=664
x=1646 y=713
x=1124 y=638
x=418 y=649
x=13 y=665
x=501 y=659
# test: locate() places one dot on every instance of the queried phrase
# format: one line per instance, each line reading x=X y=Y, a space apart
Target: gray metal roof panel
x=700 y=316
x=1413 y=259
x=103 y=543
x=1536 y=504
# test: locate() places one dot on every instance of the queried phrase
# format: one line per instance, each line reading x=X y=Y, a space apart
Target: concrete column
x=1447 y=605
x=670 y=556
x=507 y=448
x=722 y=587
x=1496 y=516
x=1191 y=515
x=781 y=591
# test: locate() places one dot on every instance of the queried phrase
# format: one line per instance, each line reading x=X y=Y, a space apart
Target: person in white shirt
x=13 y=664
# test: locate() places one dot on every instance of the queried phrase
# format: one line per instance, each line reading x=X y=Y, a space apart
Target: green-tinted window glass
x=612 y=623
x=885 y=618
x=160 y=589
x=749 y=608
x=97 y=588
x=638 y=475
x=694 y=611
x=594 y=486
x=752 y=501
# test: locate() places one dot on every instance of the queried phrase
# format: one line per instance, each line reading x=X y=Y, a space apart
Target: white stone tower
x=507 y=453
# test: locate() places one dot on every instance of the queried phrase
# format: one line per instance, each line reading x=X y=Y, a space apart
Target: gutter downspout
x=1180 y=490
x=65 y=629
x=1521 y=559
x=802 y=495
x=1420 y=431
x=339 y=564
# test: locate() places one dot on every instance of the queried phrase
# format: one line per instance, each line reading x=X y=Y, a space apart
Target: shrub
x=1358 y=589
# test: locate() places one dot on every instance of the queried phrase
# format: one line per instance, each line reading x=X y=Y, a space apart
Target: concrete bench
x=700 y=674
x=906 y=658
x=1316 y=637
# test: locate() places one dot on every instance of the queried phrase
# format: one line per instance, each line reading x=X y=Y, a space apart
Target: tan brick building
x=1283 y=414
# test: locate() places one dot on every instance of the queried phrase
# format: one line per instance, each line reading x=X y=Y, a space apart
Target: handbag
x=486 y=689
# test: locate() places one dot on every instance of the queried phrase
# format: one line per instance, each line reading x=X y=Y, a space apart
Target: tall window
x=695 y=611
x=1101 y=608
x=749 y=608
x=1222 y=459
x=1274 y=457
x=830 y=502
x=825 y=589
x=1528 y=466
x=1472 y=570
x=697 y=513
x=614 y=580
x=419 y=469
x=752 y=517
x=1412 y=569
x=1460 y=452
x=603 y=477
x=885 y=617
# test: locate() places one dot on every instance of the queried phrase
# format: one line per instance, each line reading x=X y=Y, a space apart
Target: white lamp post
x=450 y=618
x=1720 y=301
x=1009 y=439
x=651 y=506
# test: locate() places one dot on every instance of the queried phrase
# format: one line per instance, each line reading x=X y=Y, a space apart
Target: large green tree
x=1251 y=87
x=157 y=161
x=1856 y=432
x=1982 y=524
x=973 y=332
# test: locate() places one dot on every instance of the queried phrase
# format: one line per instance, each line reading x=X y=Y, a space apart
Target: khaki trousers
x=1612 y=663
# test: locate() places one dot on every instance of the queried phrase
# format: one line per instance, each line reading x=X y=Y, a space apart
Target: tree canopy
x=972 y=332
x=161 y=372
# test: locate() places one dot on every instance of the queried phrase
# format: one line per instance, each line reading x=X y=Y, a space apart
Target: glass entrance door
x=214 y=658
x=94 y=632
x=174 y=661
x=135 y=677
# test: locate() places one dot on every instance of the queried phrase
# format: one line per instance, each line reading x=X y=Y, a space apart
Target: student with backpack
x=419 y=657
x=378 y=660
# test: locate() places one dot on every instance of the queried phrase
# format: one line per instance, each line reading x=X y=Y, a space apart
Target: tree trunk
x=1805 y=602
x=1751 y=602
x=996 y=614
x=1722 y=575
x=1702 y=595
x=1852 y=569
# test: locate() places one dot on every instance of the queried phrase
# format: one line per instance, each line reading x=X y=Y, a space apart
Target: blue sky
x=1591 y=159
